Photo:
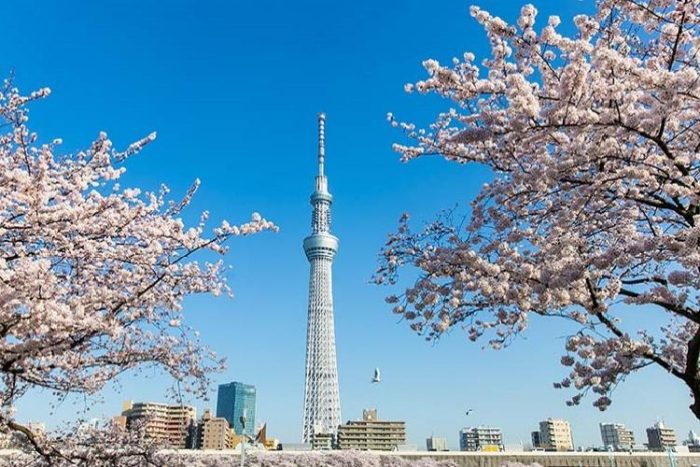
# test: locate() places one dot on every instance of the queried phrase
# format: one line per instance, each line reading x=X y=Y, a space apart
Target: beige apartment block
x=555 y=435
x=215 y=433
x=371 y=434
x=163 y=422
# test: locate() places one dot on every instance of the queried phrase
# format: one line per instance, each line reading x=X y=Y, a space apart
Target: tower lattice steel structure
x=321 y=395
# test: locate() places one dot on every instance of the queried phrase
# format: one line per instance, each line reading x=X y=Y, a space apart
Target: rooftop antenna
x=321 y=142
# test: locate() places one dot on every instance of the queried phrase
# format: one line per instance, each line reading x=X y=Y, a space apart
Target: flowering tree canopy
x=92 y=275
x=594 y=144
x=212 y=458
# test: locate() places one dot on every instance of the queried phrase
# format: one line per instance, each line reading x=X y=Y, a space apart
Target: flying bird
x=377 y=376
x=469 y=411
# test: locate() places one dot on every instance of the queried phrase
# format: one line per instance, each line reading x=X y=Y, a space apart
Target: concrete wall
x=563 y=459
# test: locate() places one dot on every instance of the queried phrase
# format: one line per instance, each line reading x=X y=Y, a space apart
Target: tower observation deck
x=321 y=395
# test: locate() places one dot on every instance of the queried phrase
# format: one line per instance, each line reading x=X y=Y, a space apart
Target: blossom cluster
x=123 y=455
x=594 y=143
x=93 y=275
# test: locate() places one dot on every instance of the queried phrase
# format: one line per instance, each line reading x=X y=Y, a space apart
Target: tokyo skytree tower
x=321 y=396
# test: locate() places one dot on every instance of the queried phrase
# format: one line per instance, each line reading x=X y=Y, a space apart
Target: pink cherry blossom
x=93 y=276
x=594 y=145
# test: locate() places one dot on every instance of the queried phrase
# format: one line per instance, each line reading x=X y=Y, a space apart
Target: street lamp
x=243 y=420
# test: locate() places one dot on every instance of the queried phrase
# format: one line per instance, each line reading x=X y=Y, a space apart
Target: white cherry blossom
x=593 y=141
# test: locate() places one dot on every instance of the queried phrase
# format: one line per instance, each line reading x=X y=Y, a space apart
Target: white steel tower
x=321 y=396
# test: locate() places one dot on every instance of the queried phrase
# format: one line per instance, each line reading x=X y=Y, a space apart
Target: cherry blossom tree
x=210 y=458
x=93 y=275
x=593 y=140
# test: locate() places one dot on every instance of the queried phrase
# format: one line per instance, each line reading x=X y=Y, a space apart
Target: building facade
x=555 y=435
x=536 y=441
x=480 y=439
x=321 y=393
x=436 y=444
x=371 y=434
x=214 y=433
x=660 y=437
x=235 y=400
x=166 y=423
x=615 y=436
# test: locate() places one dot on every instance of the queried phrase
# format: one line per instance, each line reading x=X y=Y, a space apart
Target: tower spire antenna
x=321 y=394
x=321 y=142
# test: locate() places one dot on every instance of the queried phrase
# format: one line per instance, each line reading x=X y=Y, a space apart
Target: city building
x=616 y=437
x=321 y=441
x=169 y=424
x=555 y=435
x=480 y=439
x=214 y=433
x=661 y=438
x=370 y=433
x=436 y=444
x=271 y=444
x=235 y=400
x=693 y=442
x=321 y=393
x=536 y=441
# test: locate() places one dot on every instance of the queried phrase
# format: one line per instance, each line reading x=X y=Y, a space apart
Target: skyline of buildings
x=176 y=425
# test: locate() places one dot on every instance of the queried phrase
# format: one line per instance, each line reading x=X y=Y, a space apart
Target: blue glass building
x=233 y=400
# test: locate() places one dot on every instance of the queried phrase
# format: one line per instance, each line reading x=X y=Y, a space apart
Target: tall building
x=616 y=436
x=371 y=434
x=233 y=401
x=436 y=444
x=555 y=435
x=480 y=439
x=321 y=395
x=169 y=424
x=661 y=438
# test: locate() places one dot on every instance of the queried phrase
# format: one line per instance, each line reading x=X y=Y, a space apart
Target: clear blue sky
x=233 y=88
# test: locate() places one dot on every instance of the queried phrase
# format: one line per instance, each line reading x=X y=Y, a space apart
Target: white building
x=436 y=444
x=480 y=439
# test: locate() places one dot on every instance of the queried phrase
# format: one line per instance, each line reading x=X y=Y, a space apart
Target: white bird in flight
x=377 y=376
x=469 y=411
